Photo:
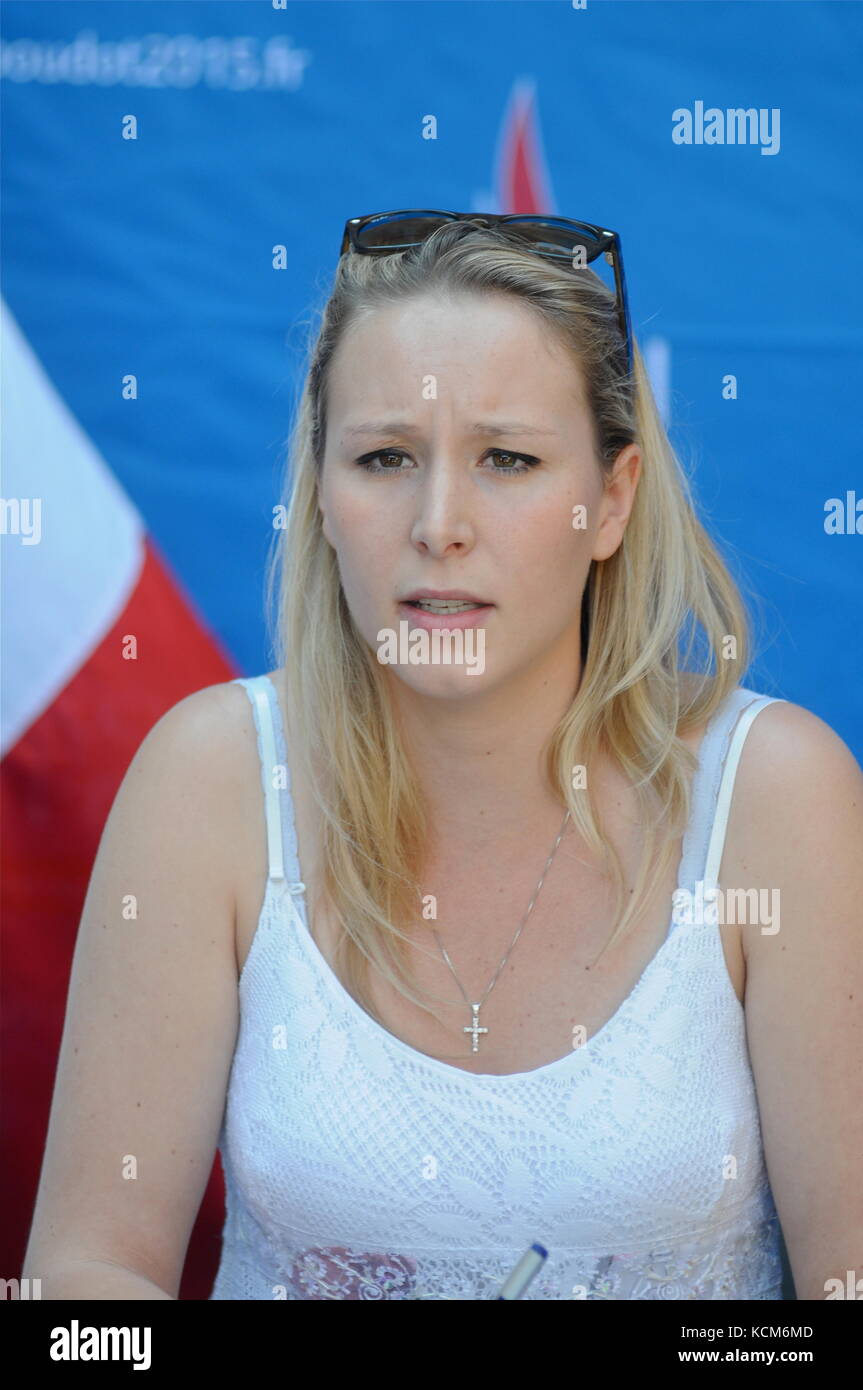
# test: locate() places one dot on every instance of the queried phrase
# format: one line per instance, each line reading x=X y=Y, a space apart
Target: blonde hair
x=635 y=696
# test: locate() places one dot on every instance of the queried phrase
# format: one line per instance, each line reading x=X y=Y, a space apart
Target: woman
x=481 y=1000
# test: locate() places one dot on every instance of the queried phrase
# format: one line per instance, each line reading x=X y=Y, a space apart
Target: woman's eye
x=392 y=458
x=527 y=462
x=368 y=461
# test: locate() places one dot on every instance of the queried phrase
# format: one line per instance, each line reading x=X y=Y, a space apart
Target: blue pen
x=528 y=1266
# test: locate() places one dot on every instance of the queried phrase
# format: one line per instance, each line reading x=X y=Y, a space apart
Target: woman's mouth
x=444 y=613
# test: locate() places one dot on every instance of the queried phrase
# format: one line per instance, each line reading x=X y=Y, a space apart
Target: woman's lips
x=421 y=617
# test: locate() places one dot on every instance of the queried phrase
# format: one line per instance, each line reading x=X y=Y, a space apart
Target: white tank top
x=357 y=1167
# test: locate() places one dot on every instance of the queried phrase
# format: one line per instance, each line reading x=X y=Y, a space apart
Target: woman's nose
x=443 y=515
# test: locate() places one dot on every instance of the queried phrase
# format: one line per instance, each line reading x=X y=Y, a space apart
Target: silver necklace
x=474 y=1026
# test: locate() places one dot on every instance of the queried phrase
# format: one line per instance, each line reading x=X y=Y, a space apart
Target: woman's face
x=473 y=415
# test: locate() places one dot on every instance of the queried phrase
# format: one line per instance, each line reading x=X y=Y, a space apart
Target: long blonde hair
x=639 y=607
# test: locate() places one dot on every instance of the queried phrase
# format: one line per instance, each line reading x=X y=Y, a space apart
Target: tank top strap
x=284 y=866
x=723 y=745
x=256 y=687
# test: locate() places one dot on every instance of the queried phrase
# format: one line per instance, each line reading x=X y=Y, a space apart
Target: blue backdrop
x=260 y=125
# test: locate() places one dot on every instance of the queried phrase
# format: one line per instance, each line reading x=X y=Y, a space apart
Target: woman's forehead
x=493 y=357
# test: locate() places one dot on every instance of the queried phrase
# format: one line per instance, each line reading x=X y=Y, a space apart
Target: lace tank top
x=357 y=1167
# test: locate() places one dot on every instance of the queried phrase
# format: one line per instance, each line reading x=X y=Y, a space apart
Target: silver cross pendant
x=475 y=1028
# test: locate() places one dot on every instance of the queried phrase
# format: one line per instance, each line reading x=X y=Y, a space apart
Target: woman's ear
x=617 y=501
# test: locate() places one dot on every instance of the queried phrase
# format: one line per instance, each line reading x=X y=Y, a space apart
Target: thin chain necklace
x=474 y=1026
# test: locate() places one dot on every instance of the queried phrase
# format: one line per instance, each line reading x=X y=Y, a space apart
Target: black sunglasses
x=555 y=237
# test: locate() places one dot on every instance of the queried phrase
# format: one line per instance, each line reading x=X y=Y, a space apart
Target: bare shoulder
x=212 y=731
x=194 y=756
x=791 y=752
x=208 y=742
x=208 y=722
x=785 y=743
x=799 y=832
x=798 y=809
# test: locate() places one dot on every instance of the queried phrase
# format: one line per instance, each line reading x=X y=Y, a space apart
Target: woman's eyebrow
x=405 y=427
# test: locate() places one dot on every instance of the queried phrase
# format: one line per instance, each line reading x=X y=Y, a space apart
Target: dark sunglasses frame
x=603 y=242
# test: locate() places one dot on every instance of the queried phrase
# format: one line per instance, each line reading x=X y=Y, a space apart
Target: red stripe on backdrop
x=57 y=785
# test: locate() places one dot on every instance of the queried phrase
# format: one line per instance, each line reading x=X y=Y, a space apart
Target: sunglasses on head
x=554 y=237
